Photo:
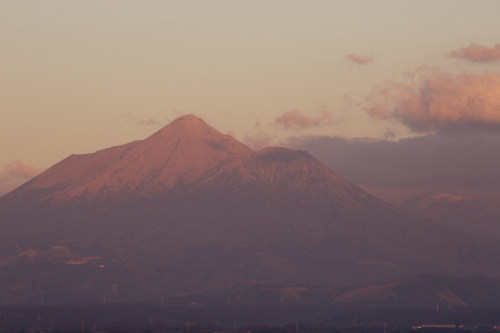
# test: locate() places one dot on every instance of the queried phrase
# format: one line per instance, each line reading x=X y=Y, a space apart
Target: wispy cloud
x=14 y=174
x=18 y=169
x=477 y=53
x=359 y=58
x=389 y=134
x=432 y=100
x=141 y=121
x=294 y=119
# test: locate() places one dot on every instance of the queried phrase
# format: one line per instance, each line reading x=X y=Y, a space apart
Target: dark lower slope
x=193 y=241
x=479 y=215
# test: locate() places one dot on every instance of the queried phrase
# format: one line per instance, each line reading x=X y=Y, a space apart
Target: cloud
x=477 y=53
x=434 y=160
x=359 y=59
x=141 y=121
x=14 y=174
x=432 y=100
x=349 y=101
x=389 y=134
x=294 y=119
x=17 y=169
x=257 y=124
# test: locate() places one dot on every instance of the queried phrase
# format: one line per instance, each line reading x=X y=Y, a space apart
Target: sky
x=381 y=89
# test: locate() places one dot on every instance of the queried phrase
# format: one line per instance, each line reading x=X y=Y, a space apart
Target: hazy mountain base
x=105 y=282
x=179 y=249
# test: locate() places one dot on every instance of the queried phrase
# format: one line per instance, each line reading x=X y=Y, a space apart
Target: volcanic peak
x=187 y=118
x=189 y=130
x=187 y=124
x=187 y=152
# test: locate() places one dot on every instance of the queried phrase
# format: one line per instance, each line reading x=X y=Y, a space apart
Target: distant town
x=145 y=318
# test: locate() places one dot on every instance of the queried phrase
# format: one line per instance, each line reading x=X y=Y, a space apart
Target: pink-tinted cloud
x=432 y=100
x=349 y=101
x=14 y=174
x=141 y=121
x=18 y=169
x=294 y=119
x=359 y=59
x=477 y=53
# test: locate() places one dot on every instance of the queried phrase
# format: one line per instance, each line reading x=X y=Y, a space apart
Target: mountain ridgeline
x=189 y=210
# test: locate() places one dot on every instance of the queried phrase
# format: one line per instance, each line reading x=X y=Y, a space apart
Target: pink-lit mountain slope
x=186 y=151
x=190 y=209
x=184 y=154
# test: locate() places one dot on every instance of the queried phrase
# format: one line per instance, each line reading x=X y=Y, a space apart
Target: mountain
x=472 y=213
x=183 y=152
x=425 y=291
x=189 y=210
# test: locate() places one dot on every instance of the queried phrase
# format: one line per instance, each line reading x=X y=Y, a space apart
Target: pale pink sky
x=78 y=76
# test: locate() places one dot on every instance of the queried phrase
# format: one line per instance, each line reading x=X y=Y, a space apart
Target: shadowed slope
x=476 y=214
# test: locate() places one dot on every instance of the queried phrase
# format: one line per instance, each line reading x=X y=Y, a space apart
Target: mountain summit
x=185 y=151
x=190 y=209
